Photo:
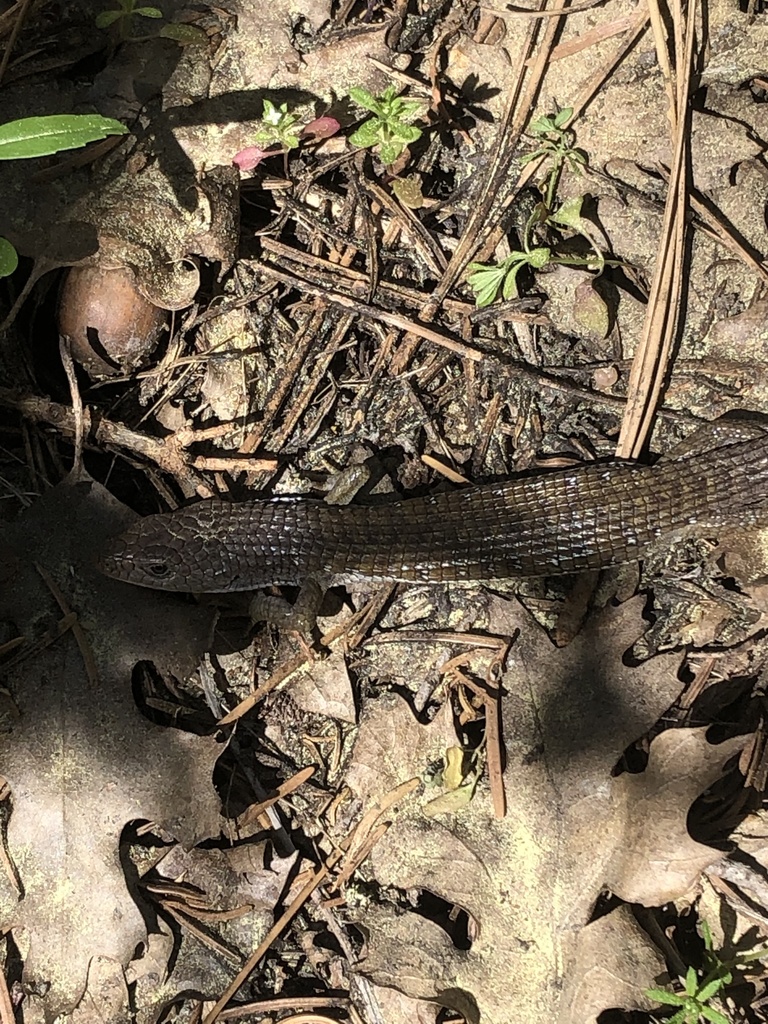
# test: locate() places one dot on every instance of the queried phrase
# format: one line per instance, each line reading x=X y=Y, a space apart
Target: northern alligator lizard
x=555 y=522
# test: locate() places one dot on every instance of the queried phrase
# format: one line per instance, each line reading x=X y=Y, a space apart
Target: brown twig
x=651 y=361
x=20 y=15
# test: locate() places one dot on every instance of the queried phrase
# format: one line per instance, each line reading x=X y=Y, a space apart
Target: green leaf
x=569 y=213
x=365 y=99
x=184 y=35
x=661 y=995
x=485 y=296
x=368 y=134
x=709 y=1013
x=712 y=987
x=706 y=931
x=405 y=132
x=107 y=18
x=531 y=156
x=406 y=109
x=682 y=1017
x=562 y=116
x=542 y=125
x=390 y=150
x=484 y=280
x=9 y=258
x=271 y=114
x=42 y=136
x=148 y=12
x=482 y=271
x=540 y=257
x=509 y=291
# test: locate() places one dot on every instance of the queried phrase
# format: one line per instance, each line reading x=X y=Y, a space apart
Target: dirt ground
x=355 y=251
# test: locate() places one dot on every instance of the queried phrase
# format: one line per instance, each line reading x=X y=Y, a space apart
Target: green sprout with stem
x=122 y=18
x=391 y=127
x=693 y=1004
x=556 y=144
x=280 y=126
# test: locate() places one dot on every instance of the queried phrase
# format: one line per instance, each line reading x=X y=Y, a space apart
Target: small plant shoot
x=556 y=145
x=693 y=1003
x=391 y=127
x=122 y=20
x=280 y=126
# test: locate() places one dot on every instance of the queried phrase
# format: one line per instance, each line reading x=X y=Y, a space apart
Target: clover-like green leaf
x=485 y=281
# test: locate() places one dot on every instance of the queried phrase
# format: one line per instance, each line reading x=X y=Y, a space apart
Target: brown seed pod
x=112 y=328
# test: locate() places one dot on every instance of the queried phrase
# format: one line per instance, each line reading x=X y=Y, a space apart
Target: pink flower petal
x=249 y=157
x=321 y=127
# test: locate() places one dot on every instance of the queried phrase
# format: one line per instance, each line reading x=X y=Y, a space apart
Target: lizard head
x=171 y=551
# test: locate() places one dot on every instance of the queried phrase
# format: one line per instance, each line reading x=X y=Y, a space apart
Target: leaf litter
x=81 y=759
x=524 y=931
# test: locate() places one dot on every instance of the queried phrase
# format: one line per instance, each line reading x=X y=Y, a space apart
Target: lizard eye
x=159 y=570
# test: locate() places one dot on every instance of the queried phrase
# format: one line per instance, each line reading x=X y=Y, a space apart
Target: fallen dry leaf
x=656 y=859
x=81 y=759
x=612 y=964
x=323 y=687
x=529 y=882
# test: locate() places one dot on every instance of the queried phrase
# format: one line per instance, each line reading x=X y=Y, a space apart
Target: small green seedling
x=693 y=1003
x=43 y=136
x=486 y=279
x=557 y=144
x=280 y=126
x=391 y=127
x=122 y=17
